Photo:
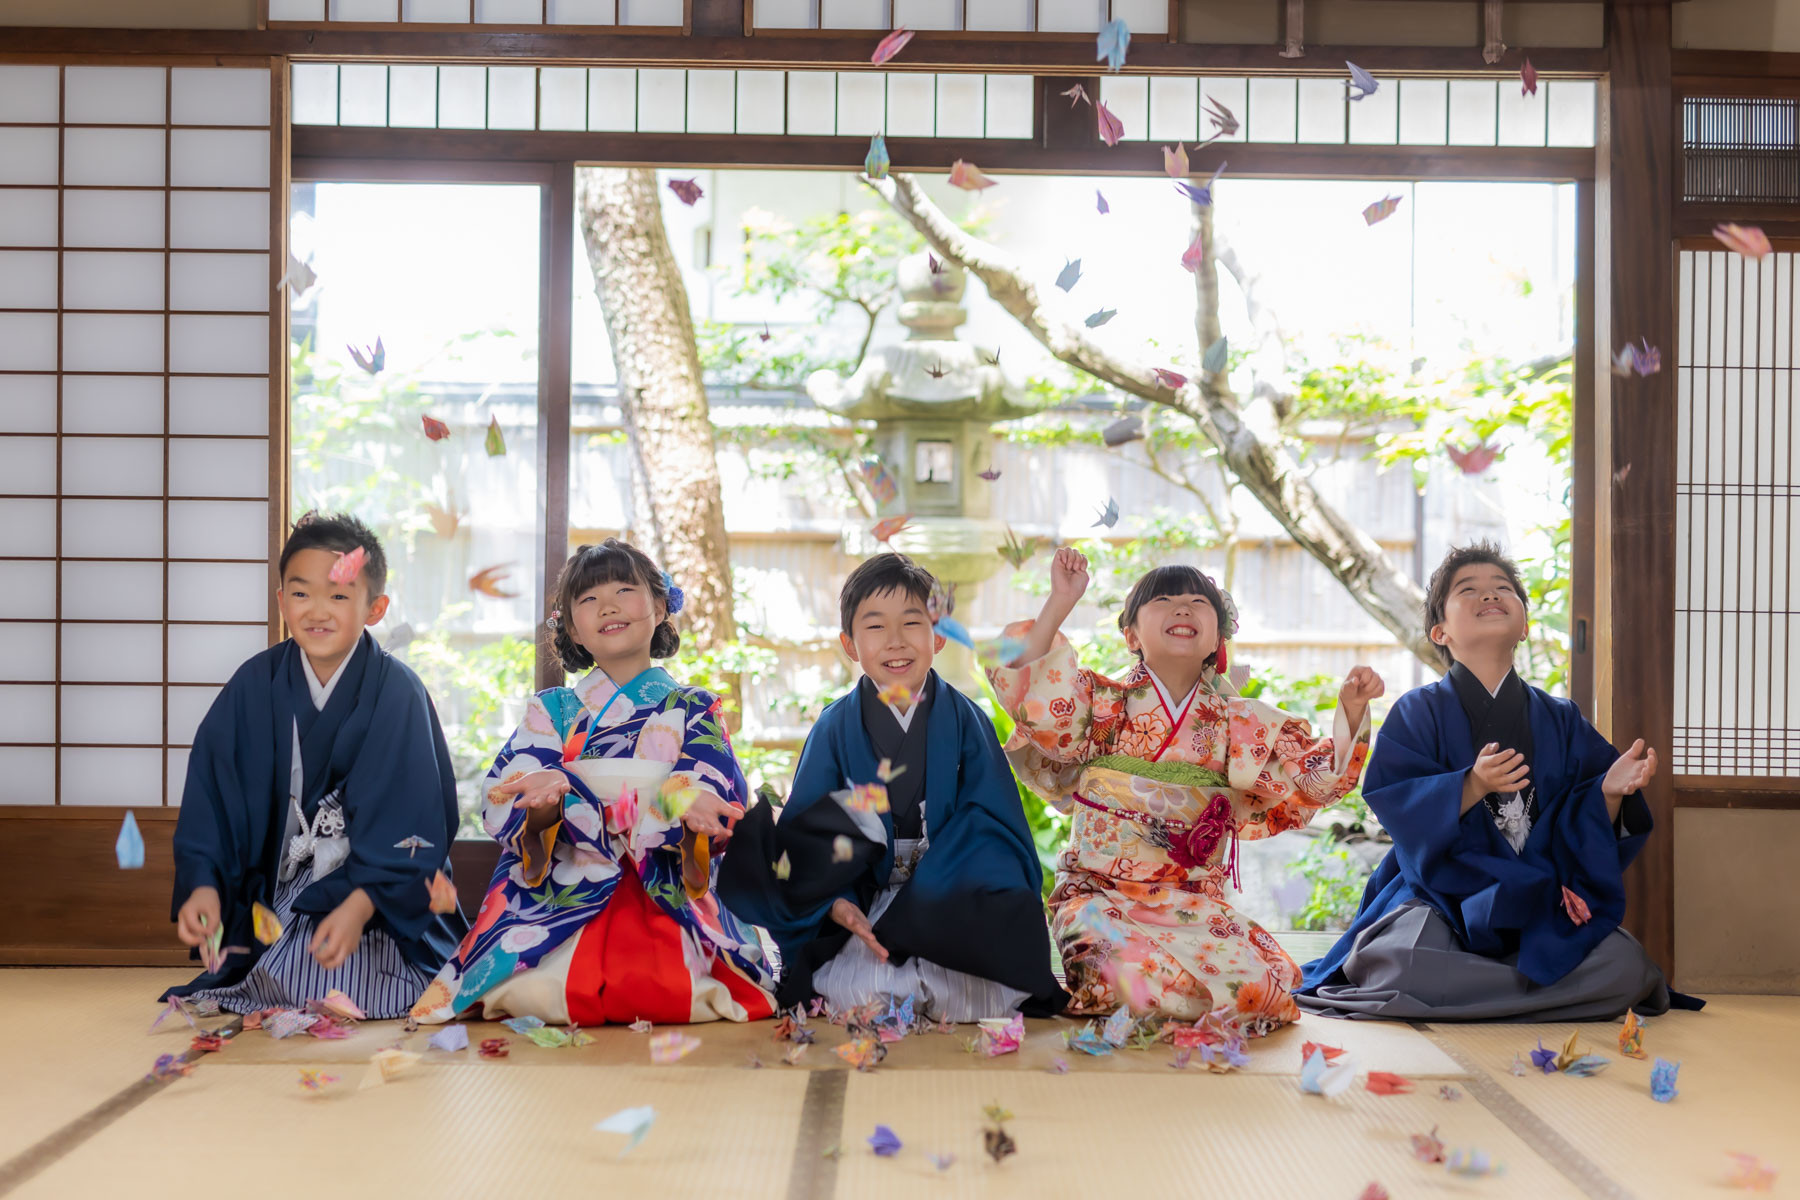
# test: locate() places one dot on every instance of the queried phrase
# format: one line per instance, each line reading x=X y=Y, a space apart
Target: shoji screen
x=137 y=320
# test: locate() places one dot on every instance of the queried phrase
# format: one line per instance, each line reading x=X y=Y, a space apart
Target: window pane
x=1572 y=107
x=1472 y=112
x=1424 y=112
x=1174 y=110
x=1322 y=105
x=1272 y=110
x=1128 y=98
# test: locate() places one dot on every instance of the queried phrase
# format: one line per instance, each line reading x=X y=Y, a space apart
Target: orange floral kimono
x=1161 y=789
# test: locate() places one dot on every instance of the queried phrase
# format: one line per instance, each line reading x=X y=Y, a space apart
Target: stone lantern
x=934 y=400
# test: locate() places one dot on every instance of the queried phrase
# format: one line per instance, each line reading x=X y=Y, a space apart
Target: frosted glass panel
x=28 y=714
x=114 y=95
x=218 y=529
x=612 y=99
x=113 y=281
x=112 y=157
x=862 y=103
x=113 y=404
x=27 y=218
x=112 y=466
x=28 y=93
x=313 y=93
x=187 y=705
x=365 y=10
x=1143 y=16
x=961 y=106
x=218 y=345
x=176 y=768
x=435 y=11
x=219 y=96
x=1472 y=112
x=853 y=14
x=509 y=12
x=362 y=94
x=1174 y=110
x=296 y=10
x=110 y=776
x=27 y=279
x=218 y=591
x=112 y=591
x=412 y=96
x=911 y=105
x=219 y=158
x=1271 y=110
x=211 y=653
x=122 y=219
x=218 y=406
x=562 y=102
x=27 y=341
x=925 y=14
x=112 y=342
x=29 y=651
x=1374 y=120
x=133 y=715
x=30 y=591
x=784 y=14
x=219 y=282
x=761 y=106
x=582 y=12
x=712 y=101
x=667 y=13
x=28 y=404
x=1128 y=98
x=28 y=156
x=1572 y=107
x=462 y=97
x=112 y=528
x=27 y=776
x=219 y=221
x=812 y=103
x=512 y=97
x=28 y=465
x=1521 y=116
x=1424 y=111
x=218 y=467
x=1013 y=16
x=124 y=654
x=1322 y=107
x=662 y=101
x=27 y=530
x=1070 y=16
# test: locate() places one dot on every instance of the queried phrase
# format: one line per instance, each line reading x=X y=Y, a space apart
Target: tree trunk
x=1267 y=471
x=669 y=430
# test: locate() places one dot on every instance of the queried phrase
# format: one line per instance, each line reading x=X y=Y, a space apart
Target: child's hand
x=852 y=918
x=198 y=917
x=339 y=934
x=539 y=789
x=1361 y=685
x=711 y=815
x=1068 y=576
x=1632 y=771
x=1495 y=770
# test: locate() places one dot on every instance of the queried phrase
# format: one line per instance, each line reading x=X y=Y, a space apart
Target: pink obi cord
x=1191 y=849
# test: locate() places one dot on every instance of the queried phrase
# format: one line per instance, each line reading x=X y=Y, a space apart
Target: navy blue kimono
x=377 y=744
x=974 y=903
x=1497 y=901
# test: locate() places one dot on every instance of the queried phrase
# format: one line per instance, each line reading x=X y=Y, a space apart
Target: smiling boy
x=931 y=891
x=1513 y=821
x=320 y=791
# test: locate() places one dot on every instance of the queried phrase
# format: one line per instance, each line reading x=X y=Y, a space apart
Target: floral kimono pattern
x=1159 y=799
x=608 y=915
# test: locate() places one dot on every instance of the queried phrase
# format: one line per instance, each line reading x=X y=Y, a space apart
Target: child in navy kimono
x=1513 y=822
x=931 y=891
x=319 y=788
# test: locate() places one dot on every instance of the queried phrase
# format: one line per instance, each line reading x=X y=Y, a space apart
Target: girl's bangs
x=598 y=565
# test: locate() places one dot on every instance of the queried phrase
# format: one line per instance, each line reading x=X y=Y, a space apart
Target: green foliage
x=713 y=669
x=1049 y=828
x=484 y=679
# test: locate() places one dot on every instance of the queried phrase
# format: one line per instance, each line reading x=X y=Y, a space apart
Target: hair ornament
x=554 y=619
x=676 y=596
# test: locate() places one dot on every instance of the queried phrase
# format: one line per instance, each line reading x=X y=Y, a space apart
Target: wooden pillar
x=1635 y=427
x=556 y=265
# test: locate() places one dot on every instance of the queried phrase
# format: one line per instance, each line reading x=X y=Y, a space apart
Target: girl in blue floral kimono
x=606 y=802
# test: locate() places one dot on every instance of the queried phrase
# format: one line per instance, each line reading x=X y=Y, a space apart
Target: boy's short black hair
x=881 y=574
x=339 y=533
x=612 y=561
x=1437 y=592
x=1180 y=579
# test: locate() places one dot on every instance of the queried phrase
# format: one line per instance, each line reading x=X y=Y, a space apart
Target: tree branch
x=1267 y=472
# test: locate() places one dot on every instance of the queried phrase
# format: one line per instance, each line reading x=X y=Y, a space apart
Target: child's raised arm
x=1068 y=582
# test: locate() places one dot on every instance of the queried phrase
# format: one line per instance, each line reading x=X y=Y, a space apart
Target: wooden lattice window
x=1739 y=149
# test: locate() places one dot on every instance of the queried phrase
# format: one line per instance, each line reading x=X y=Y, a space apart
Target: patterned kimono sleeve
x=1056 y=730
x=1281 y=773
x=533 y=746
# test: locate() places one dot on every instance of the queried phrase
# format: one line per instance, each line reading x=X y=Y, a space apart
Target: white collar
x=321 y=692
x=905 y=718
x=1162 y=690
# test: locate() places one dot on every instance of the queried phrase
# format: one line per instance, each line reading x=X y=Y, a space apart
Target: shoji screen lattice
x=136 y=302
x=1737 y=661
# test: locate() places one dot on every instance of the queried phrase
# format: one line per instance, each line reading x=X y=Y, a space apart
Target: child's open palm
x=1632 y=771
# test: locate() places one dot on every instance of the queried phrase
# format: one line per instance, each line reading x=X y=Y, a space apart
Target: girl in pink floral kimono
x=1164 y=770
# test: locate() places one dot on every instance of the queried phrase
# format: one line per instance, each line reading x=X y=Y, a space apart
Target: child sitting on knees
x=1164 y=769
x=319 y=788
x=926 y=885
x=1513 y=822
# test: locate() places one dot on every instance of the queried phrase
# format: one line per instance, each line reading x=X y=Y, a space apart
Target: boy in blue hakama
x=1513 y=822
x=320 y=788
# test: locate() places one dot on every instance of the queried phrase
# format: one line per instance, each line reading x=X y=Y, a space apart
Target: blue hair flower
x=676 y=597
